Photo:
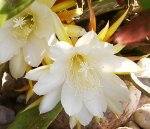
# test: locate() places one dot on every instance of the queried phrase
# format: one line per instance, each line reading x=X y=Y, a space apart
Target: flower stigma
x=82 y=76
x=23 y=26
x=19 y=22
x=84 y=68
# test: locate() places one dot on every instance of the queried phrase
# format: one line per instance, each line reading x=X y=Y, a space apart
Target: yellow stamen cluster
x=82 y=75
x=23 y=26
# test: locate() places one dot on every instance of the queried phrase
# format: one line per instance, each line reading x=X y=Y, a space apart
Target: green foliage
x=145 y=4
x=31 y=119
x=9 y=8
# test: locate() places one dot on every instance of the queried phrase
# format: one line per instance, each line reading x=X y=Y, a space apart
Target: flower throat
x=23 y=26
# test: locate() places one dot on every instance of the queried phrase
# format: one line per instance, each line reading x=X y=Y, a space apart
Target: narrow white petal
x=51 y=80
x=60 y=49
x=52 y=40
x=118 y=64
x=84 y=116
x=17 y=66
x=46 y=29
x=50 y=101
x=72 y=104
x=34 y=51
x=115 y=91
x=87 y=38
x=95 y=102
x=36 y=73
x=115 y=106
x=91 y=40
x=47 y=83
x=72 y=122
x=114 y=87
x=9 y=46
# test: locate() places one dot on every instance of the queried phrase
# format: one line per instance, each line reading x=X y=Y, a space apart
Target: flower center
x=82 y=76
x=23 y=26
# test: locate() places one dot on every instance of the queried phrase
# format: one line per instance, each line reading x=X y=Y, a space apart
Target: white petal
x=114 y=88
x=36 y=73
x=51 y=80
x=90 y=45
x=115 y=106
x=72 y=122
x=60 y=49
x=112 y=63
x=34 y=51
x=44 y=21
x=52 y=40
x=95 y=102
x=17 y=66
x=47 y=83
x=91 y=40
x=105 y=47
x=87 y=38
x=50 y=101
x=9 y=46
x=72 y=104
x=115 y=91
x=84 y=116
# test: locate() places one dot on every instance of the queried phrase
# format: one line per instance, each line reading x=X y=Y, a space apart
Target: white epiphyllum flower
x=24 y=38
x=82 y=77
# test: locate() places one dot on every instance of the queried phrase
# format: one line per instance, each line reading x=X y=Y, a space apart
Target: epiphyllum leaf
x=31 y=119
x=145 y=4
x=9 y=8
